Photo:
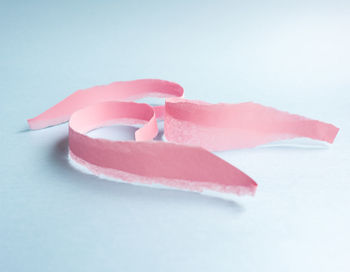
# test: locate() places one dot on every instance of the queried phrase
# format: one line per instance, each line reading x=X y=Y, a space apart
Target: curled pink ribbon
x=191 y=127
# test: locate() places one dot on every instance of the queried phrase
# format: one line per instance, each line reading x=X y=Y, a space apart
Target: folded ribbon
x=191 y=127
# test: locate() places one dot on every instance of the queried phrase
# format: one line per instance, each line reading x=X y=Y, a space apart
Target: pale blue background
x=293 y=55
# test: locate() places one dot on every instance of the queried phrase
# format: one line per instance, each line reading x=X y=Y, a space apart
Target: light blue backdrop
x=293 y=55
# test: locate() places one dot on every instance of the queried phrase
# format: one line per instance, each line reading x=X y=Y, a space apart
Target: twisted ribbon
x=191 y=128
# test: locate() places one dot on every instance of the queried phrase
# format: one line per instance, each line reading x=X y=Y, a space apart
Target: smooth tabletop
x=291 y=55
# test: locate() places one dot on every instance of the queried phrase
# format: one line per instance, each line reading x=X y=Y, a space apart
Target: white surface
x=294 y=57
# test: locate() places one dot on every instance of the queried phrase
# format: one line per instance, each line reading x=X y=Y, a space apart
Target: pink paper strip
x=145 y=161
x=190 y=126
x=116 y=91
x=228 y=126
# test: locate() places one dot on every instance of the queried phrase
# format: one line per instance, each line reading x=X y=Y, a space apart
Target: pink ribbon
x=191 y=127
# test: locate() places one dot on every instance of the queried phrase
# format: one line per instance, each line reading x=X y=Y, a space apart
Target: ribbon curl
x=191 y=128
